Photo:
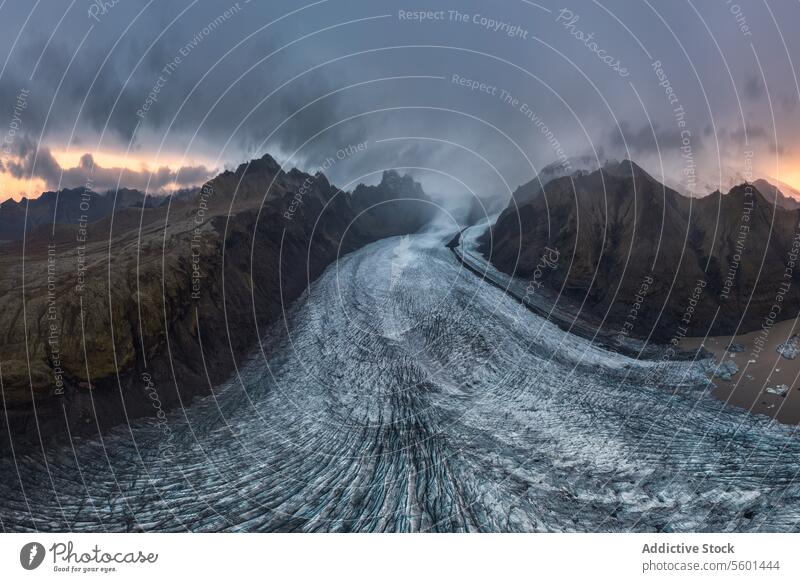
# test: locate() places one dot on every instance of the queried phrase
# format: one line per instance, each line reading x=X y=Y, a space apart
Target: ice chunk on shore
x=780 y=390
x=790 y=348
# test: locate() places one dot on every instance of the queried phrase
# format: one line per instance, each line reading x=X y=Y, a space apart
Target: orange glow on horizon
x=131 y=161
x=16 y=188
x=11 y=187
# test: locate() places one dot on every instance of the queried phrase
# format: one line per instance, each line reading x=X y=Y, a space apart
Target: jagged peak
x=580 y=165
x=392 y=176
x=393 y=180
x=269 y=160
x=625 y=168
x=322 y=180
x=265 y=163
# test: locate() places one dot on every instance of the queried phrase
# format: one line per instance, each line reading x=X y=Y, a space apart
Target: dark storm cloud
x=180 y=75
x=25 y=160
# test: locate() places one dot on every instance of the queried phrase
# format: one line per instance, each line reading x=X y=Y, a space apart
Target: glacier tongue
x=409 y=395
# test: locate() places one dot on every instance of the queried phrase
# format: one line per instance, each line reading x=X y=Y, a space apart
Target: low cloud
x=753 y=132
x=27 y=162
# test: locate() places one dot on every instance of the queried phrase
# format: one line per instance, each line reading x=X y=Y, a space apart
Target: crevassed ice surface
x=403 y=393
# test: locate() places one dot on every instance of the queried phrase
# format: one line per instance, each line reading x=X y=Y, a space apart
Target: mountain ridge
x=178 y=292
x=618 y=225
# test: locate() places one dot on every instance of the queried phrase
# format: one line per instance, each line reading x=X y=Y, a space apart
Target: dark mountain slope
x=69 y=206
x=618 y=230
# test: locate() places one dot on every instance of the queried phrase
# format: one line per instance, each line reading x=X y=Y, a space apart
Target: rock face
x=148 y=307
x=630 y=246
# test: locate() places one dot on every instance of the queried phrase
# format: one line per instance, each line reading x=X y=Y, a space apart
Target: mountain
x=156 y=301
x=67 y=206
x=630 y=246
x=575 y=166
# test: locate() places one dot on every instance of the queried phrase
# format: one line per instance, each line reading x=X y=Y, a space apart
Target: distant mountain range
x=782 y=194
x=68 y=206
x=650 y=260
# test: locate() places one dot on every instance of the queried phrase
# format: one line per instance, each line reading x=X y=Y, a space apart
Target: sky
x=473 y=98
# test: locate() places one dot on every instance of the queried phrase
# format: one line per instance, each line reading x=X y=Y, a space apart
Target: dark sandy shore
x=555 y=307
